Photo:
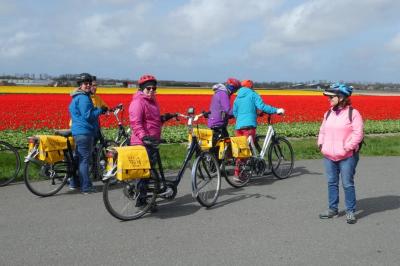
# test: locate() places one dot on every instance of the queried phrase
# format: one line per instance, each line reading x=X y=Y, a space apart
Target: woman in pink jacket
x=339 y=138
x=145 y=120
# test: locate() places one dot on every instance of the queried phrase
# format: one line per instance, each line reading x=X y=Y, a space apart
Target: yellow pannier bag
x=240 y=147
x=51 y=148
x=133 y=162
x=204 y=136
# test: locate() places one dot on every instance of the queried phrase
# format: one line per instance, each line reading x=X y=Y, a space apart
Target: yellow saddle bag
x=133 y=163
x=240 y=147
x=51 y=148
x=204 y=136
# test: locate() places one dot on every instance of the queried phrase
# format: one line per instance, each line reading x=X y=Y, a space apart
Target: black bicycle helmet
x=84 y=77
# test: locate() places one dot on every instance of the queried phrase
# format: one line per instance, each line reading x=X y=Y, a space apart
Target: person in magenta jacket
x=146 y=123
x=339 y=139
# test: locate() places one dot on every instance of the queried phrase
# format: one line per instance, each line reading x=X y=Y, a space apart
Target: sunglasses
x=154 y=88
x=332 y=96
x=87 y=83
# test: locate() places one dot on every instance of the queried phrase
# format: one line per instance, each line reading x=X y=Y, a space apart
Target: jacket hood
x=141 y=94
x=77 y=92
x=243 y=92
x=219 y=87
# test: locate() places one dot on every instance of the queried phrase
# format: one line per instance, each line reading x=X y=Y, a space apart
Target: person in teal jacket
x=84 y=127
x=247 y=103
x=245 y=108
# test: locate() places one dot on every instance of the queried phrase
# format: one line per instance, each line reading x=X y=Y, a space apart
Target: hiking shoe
x=329 y=213
x=351 y=218
x=89 y=191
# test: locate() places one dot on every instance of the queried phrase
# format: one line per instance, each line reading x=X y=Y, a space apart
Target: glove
x=104 y=109
x=206 y=114
x=167 y=116
x=280 y=111
x=149 y=140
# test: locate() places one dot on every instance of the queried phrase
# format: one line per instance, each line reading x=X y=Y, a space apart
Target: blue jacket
x=245 y=108
x=83 y=114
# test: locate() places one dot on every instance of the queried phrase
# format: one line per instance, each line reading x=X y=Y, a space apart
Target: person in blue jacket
x=245 y=108
x=84 y=127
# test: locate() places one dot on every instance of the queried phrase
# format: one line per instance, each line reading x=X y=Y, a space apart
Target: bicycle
x=10 y=163
x=269 y=153
x=123 y=135
x=50 y=162
x=120 y=197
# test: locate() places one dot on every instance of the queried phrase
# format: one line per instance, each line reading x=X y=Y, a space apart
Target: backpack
x=351 y=121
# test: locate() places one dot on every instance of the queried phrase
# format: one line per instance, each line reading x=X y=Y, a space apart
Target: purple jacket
x=144 y=117
x=220 y=102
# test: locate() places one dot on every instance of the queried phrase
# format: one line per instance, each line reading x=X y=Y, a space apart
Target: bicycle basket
x=240 y=147
x=133 y=162
x=51 y=148
x=204 y=136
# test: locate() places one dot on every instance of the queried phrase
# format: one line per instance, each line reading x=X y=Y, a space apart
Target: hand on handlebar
x=104 y=109
x=149 y=140
x=167 y=116
x=206 y=114
x=280 y=111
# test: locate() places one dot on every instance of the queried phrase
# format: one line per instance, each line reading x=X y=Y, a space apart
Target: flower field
x=38 y=111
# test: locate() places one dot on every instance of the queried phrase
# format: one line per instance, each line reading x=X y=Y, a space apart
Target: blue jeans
x=84 y=150
x=346 y=169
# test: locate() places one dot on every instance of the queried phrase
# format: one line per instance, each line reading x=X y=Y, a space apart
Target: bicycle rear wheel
x=281 y=157
x=10 y=163
x=206 y=179
x=44 y=179
x=121 y=197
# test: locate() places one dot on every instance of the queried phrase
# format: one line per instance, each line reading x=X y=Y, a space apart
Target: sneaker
x=73 y=188
x=351 y=218
x=329 y=213
x=89 y=191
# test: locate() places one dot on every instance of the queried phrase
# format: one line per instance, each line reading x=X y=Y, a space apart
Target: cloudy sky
x=204 y=40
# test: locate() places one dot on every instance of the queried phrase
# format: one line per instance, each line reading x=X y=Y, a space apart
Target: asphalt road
x=269 y=222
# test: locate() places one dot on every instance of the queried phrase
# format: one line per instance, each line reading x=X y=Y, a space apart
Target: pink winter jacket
x=338 y=136
x=144 y=117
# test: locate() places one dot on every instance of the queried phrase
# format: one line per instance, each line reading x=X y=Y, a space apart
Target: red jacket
x=144 y=117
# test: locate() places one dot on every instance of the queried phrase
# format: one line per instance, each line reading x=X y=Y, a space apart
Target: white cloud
x=316 y=23
x=15 y=44
x=394 y=44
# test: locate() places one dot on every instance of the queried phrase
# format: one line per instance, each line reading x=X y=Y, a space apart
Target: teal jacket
x=83 y=114
x=245 y=108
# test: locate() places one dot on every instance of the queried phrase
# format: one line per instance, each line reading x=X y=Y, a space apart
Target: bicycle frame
x=270 y=134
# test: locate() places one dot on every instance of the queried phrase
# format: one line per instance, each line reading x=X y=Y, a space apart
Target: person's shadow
x=369 y=206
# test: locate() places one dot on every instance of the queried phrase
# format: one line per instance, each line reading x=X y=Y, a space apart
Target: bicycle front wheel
x=206 y=179
x=9 y=163
x=44 y=179
x=121 y=198
x=281 y=158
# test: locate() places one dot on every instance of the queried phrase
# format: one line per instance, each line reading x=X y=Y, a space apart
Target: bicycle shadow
x=373 y=205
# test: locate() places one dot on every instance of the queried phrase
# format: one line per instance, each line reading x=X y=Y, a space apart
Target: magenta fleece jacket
x=144 y=117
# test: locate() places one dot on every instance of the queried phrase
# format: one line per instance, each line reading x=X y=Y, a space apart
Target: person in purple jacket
x=220 y=107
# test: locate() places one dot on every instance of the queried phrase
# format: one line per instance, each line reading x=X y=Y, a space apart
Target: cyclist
x=245 y=109
x=340 y=135
x=97 y=102
x=84 y=118
x=146 y=123
x=220 y=108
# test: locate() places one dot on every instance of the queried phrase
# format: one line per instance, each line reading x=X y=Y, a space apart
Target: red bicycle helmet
x=234 y=83
x=143 y=79
x=247 y=83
